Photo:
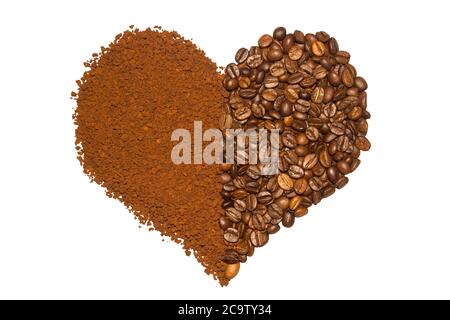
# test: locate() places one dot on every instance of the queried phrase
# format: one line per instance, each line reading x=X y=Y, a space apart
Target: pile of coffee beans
x=305 y=86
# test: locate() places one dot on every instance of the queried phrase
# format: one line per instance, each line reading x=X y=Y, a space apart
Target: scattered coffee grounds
x=304 y=86
x=135 y=92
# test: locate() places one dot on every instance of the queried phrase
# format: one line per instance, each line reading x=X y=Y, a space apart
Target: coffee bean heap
x=304 y=86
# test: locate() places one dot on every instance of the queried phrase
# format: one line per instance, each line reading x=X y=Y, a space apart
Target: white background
x=385 y=235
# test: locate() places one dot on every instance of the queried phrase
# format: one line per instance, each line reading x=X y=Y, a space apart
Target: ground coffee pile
x=138 y=90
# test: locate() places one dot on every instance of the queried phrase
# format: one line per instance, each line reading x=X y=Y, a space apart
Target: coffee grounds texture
x=135 y=92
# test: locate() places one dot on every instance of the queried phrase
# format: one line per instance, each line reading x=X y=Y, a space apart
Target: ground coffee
x=135 y=92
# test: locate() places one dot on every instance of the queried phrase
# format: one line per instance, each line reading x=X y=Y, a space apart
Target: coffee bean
x=355 y=113
x=315 y=183
x=244 y=82
x=300 y=186
x=360 y=83
x=322 y=36
x=347 y=78
x=300 y=212
x=333 y=46
x=252 y=187
x=271 y=82
x=248 y=93
x=362 y=143
x=343 y=143
x=305 y=202
x=273 y=228
x=231 y=235
x=288 y=219
x=312 y=134
x=230 y=83
x=264 y=197
x=342 y=57
x=354 y=164
x=317 y=95
x=241 y=55
x=338 y=128
x=225 y=223
x=233 y=215
x=232 y=270
x=328 y=94
x=294 y=203
x=257 y=222
x=310 y=161
x=325 y=158
x=295 y=172
x=288 y=139
x=333 y=174
x=275 y=211
x=251 y=202
x=334 y=79
x=299 y=37
x=242 y=113
x=231 y=256
x=295 y=52
x=318 y=48
x=239 y=194
x=254 y=61
x=285 y=182
x=275 y=53
x=316 y=197
x=240 y=205
x=277 y=69
x=299 y=125
x=279 y=33
x=341 y=182
x=343 y=167
x=265 y=41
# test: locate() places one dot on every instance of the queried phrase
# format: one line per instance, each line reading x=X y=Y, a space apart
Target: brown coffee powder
x=134 y=94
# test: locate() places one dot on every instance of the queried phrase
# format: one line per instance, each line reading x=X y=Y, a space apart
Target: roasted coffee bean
x=362 y=143
x=264 y=197
x=300 y=186
x=282 y=202
x=347 y=77
x=231 y=256
x=295 y=172
x=300 y=212
x=312 y=134
x=285 y=182
x=341 y=182
x=318 y=48
x=299 y=125
x=231 y=83
x=241 y=55
x=295 y=52
x=277 y=69
x=360 y=83
x=294 y=203
x=265 y=41
x=240 y=205
x=279 y=33
x=316 y=197
x=354 y=164
x=251 y=202
x=257 y=222
x=244 y=82
x=343 y=167
x=252 y=187
x=225 y=223
x=239 y=194
x=239 y=182
x=288 y=219
x=342 y=57
x=355 y=113
x=231 y=235
x=232 y=70
x=310 y=161
x=299 y=37
x=288 y=139
x=338 y=128
x=275 y=53
x=233 y=215
x=273 y=228
x=333 y=174
x=248 y=93
x=343 y=143
x=315 y=183
x=254 y=61
x=305 y=202
x=275 y=211
x=317 y=95
x=258 y=238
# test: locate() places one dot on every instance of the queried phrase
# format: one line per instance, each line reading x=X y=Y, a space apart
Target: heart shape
x=148 y=83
